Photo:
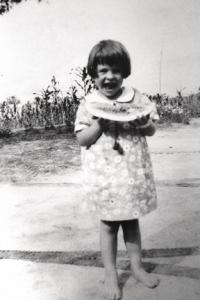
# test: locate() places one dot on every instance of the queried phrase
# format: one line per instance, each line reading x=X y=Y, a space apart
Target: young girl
x=118 y=176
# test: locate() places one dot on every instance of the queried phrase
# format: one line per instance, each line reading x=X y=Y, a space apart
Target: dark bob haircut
x=111 y=53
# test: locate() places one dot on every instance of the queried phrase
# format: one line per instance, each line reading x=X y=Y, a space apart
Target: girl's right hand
x=103 y=123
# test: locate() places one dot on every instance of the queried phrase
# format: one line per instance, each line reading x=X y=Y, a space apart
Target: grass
x=29 y=157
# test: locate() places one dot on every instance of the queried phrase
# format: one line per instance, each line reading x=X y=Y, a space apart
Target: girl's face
x=109 y=80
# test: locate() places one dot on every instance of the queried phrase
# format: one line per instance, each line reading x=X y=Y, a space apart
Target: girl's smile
x=109 y=80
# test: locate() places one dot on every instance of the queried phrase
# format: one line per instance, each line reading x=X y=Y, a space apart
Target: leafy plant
x=82 y=82
x=6 y=5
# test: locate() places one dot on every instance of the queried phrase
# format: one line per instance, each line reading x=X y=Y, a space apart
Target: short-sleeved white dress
x=117 y=186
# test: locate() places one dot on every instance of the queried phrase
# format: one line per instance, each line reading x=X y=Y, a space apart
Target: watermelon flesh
x=122 y=112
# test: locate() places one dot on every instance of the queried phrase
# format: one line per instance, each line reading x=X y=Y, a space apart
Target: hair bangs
x=108 y=57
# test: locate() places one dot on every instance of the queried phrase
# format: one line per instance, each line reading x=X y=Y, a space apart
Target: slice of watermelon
x=119 y=111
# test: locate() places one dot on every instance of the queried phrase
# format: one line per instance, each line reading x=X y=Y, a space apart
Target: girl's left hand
x=142 y=121
x=148 y=128
x=141 y=124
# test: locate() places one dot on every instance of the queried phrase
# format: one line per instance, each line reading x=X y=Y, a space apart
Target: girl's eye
x=102 y=71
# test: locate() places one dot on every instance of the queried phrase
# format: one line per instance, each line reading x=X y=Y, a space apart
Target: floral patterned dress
x=117 y=186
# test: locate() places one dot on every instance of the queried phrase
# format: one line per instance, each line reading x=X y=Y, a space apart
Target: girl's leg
x=132 y=240
x=108 y=241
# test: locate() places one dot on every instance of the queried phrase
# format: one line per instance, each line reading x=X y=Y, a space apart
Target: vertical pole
x=160 y=72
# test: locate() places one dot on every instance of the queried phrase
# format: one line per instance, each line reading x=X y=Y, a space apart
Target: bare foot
x=112 y=290
x=149 y=280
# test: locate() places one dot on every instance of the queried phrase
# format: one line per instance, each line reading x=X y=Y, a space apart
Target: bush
x=51 y=108
x=5 y=132
x=178 y=109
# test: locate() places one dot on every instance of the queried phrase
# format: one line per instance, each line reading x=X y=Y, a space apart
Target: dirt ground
x=41 y=211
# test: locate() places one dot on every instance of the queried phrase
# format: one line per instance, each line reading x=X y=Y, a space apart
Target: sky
x=39 y=40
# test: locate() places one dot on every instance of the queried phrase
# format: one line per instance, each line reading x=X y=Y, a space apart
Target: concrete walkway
x=38 y=281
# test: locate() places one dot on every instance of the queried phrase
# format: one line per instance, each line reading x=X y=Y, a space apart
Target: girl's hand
x=104 y=124
x=142 y=121
x=148 y=128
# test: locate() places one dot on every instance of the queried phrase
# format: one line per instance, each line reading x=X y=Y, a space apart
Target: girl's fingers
x=142 y=121
x=141 y=126
x=104 y=123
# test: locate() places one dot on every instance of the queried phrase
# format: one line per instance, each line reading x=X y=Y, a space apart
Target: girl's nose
x=110 y=74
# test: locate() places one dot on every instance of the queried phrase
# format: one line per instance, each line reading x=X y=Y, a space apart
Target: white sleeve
x=83 y=117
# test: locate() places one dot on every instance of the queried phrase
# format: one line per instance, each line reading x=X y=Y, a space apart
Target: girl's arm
x=90 y=135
